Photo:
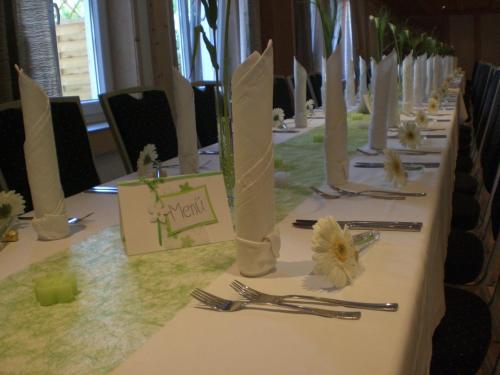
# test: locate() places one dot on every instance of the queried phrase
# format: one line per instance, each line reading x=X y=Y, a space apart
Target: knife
x=360 y=164
x=208 y=152
x=426 y=135
x=408 y=226
x=103 y=190
x=285 y=131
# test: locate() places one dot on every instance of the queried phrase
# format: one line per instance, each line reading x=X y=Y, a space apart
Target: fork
x=254 y=295
x=71 y=220
x=222 y=304
x=386 y=192
x=372 y=195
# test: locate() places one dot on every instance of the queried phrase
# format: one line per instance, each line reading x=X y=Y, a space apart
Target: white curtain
x=191 y=14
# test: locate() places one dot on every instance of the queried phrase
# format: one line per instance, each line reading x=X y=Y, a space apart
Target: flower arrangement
x=278 y=117
x=409 y=135
x=147 y=157
x=433 y=106
x=309 y=107
x=11 y=204
x=421 y=119
x=335 y=255
x=394 y=169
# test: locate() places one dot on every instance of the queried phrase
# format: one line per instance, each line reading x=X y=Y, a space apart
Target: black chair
x=283 y=95
x=76 y=163
x=137 y=117
x=206 y=113
x=316 y=82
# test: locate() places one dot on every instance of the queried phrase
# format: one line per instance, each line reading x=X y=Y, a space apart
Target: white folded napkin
x=323 y=83
x=373 y=70
x=408 y=83
x=393 y=113
x=436 y=73
x=429 y=76
x=363 y=86
x=185 y=125
x=336 y=160
x=377 y=132
x=50 y=220
x=257 y=237
x=418 y=81
x=350 y=88
x=300 y=94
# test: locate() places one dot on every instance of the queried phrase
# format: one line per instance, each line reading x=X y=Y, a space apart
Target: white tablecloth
x=402 y=267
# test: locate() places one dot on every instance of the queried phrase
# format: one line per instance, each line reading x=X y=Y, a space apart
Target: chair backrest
x=484 y=116
x=283 y=95
x=316 y=82
x=309 y=89
x=483 y=74
x=206 y=113
x=75 y=160
x=137 y=117
x=490 y=151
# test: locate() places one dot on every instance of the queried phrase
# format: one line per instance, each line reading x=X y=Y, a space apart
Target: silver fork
x=371 y=195
x=222 y=304
x=254 y=295
x=386 y=192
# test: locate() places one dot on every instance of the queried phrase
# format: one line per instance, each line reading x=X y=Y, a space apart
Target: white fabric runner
x=257 y=241
x=50 y=220
x=300 y=79
x=336 y=159
x=363 y=87
x=187 y=138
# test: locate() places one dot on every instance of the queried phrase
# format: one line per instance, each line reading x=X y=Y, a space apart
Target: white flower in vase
x=421 y=119
x=11 y=204
x=409 y=135
x=309 y=107
x=146 y=157
x=394 y=169
x=278 y=118
x=335 y=255
x=433 y=106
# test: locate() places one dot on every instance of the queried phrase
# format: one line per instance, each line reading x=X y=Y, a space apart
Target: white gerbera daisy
x=278 y=117
x=421 y=119
x=146 y=157
x=11 y=204
x=335 y=255
x=309 y=107
x=409 y=135
x=433 y=106
x=394 y=169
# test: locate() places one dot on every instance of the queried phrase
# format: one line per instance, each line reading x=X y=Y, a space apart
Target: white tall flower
x=278 y=117
x=421 y=119
x=409 y=135
x=11 y=204
x=335 y=255
x=394 y=169
x=433 y=106
x=147 y=156
x=309 y=107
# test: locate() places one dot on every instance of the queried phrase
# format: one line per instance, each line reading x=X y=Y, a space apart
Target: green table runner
x=124 y=300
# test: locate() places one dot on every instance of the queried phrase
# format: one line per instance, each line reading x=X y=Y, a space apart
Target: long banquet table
x=401 y=267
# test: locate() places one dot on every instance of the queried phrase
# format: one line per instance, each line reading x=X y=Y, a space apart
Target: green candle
x=55 y=288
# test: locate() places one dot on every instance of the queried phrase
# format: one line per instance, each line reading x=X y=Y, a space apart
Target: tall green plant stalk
x=328 y=24
x=223 y=113
x=381 y=22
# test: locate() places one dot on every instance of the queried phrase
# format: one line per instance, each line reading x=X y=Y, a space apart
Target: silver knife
x=406 y=226
x=426 y=135
x=360 y=164
x=103 y=190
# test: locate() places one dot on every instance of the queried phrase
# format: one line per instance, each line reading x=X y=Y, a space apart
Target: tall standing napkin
x=363 y=88
x=418 y=81
x=393 y=115
x=300 y=94
x=187 y=138
x=50 y=220
x=436 y=72
x=350 y=88
x=429 y=76
x=257 y=237
x=336 y=161
x=408 y=83
x=377 y=131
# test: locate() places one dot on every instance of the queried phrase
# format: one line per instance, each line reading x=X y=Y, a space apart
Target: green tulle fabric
x=124 y=300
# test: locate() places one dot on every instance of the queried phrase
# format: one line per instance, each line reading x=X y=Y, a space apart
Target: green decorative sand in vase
x=226 y=156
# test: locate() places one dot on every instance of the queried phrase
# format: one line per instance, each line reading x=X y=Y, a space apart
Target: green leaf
x=211 y=11
x=196 y=45
x=212 y=51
